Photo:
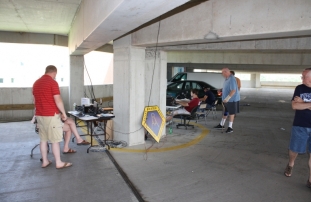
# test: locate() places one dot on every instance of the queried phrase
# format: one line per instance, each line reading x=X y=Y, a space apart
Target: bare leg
x=73 y=128
x=310 y=167
x=66 y=141
x=44 y=153
x=292 y=157
x=56 y=153
x=168 y=118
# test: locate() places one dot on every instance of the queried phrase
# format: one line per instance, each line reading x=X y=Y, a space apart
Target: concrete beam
x=286 y=44
x=247 y=68
x=108 y=48
x=99 y=21
x=33 y=38
x=234 y=57
x=227 y=20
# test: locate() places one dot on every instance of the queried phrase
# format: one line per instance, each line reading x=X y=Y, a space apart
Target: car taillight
x=219 y=93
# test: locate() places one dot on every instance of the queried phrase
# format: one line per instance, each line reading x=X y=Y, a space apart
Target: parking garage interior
x=148 y=40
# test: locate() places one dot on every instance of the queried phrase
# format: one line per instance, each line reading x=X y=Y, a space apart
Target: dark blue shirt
x=303 y=117
x=210 y=97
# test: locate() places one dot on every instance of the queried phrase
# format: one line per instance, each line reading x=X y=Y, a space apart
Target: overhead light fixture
x=211 y=36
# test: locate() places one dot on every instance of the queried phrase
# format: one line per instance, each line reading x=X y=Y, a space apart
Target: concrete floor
x=200 y=164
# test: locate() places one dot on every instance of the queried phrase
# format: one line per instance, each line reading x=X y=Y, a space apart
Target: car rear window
x=195 y=85
x=175 y=86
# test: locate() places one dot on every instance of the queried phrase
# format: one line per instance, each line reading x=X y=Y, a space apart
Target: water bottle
x=170 y=130
x=74 y=106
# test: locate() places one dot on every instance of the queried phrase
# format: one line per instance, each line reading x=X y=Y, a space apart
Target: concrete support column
x=255 y=80
x=128 y=91
x=76 y=85
x=156 y=70
x=169 y=71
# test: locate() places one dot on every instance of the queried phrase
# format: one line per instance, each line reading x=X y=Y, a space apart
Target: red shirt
x=43 y=90
x=192 y=104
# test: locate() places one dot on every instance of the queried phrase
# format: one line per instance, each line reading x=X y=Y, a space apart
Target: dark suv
x=181 y=89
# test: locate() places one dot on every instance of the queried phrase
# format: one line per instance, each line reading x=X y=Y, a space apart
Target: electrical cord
x=111 y=143
x=145 y=156
x=91 y=89
x=155 y=59
x=123 y=132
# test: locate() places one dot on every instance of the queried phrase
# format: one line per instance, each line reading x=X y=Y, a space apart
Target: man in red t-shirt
x=49 y=112
x=187 y=106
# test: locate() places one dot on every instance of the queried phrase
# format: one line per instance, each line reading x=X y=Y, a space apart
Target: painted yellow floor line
x=204 y=132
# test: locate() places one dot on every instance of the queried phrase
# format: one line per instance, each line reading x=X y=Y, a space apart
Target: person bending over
x=187 y=106
x=209 y=98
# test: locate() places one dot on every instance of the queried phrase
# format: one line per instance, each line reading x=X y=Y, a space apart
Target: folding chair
x=205 y=111
x=201 y=112
x=187 y=117
x=213 y=110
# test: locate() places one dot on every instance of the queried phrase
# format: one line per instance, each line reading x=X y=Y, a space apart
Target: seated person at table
x=209 y=98
x=69 y=127
x=187 y=106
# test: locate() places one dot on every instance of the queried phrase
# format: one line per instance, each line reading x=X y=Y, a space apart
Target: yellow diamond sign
x=154 y=121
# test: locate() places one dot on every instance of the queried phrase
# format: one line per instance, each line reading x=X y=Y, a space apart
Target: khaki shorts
x=50 y=128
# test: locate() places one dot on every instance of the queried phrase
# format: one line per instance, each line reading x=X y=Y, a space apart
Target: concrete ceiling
x=98 y=22
x=52 y=16
x=38 y=16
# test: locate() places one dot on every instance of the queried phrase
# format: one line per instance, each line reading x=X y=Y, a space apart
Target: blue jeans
x=300 y=138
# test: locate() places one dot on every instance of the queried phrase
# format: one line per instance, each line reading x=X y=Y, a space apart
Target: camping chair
x=201 y=112
x=205 y=111
x=188 y=117
x=212 y=109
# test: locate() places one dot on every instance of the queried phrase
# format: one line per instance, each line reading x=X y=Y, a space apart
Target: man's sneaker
x=229 y=130
x=219 y=126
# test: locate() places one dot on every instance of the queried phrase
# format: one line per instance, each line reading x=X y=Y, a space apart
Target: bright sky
x=22 y=64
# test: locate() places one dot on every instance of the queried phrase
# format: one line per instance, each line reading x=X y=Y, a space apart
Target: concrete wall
x=24 y=96
x=33 y=38
x=247 y=68
x=284 y=44
x=227 y=20
x=238 y=57
x=250 y=84
x=279 y=84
